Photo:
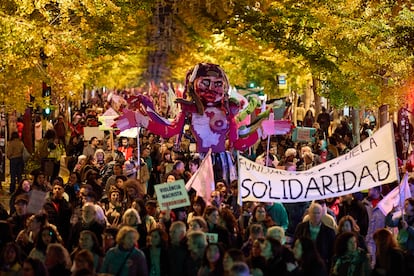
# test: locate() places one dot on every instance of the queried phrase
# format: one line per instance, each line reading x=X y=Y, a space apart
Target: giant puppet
x=213 y=117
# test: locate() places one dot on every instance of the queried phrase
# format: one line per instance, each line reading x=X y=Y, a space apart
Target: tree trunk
x=315 y=87
x=355 y=125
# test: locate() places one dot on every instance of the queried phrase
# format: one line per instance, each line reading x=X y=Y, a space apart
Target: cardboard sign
x=89 y=132
x=172 y=195
x=36 y=201
x=303 y=134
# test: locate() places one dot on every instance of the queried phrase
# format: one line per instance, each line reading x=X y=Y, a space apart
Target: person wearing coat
x=125 y=259
x=58 y=209
x=15 y=149
x=322 y=235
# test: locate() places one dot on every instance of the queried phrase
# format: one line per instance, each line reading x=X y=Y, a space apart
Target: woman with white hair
x=80 y=164
x=308 y=159
x=99 y=158
x=91 y=220
x=132 y=218
x=290 y=159
x=327 y=218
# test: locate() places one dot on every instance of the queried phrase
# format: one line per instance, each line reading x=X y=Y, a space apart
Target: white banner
x=371 y=163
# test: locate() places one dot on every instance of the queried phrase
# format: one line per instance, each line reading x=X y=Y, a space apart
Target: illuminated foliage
x=361 y=51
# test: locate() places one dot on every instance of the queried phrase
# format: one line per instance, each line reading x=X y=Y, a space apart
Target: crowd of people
x=106 y=217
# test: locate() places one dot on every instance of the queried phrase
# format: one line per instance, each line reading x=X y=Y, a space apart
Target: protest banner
x=371 y=163
x=172 y=195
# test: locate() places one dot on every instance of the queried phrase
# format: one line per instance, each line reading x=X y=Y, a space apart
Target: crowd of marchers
x=106 y=218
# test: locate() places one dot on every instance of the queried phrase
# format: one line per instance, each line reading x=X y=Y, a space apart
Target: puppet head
x=208 y=83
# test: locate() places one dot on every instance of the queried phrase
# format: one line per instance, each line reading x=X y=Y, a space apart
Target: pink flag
x=203 y=179
x=396 y=197
x=276 y=127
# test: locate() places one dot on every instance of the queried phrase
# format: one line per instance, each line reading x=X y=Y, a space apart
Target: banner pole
x=139 y=155
x=239 y=196
x=267 y=150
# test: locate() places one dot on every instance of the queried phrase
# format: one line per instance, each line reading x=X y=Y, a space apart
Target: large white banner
x=371 y=163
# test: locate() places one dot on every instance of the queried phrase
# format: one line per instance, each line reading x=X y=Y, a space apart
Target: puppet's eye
x=218 y=84
x=206 y=82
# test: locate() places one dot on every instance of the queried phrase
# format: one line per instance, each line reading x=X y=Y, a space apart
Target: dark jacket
x=17 y=223
x=223 y=234
x=59 y=213
x=75 y=230
x=59 y=270
x=177 y=255
x=163 y=260
x=359 y=263
x=324 y=241
x=358 y=211
x=397 y=264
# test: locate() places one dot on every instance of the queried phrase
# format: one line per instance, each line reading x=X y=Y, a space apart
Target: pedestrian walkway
x=5 y=185
x=5 y=198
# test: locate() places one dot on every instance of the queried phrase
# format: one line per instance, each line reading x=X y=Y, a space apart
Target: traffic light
x=46 y=90
x=46 y=93
x=46 y=111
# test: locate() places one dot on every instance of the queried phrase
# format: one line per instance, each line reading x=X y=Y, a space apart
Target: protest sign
x=303 y=134
x=172 y=195
x=89 y=132
x=36 y=201
x=371 y=163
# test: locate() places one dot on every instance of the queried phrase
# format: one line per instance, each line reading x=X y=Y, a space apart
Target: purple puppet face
x=210 y=83
x=210 y=89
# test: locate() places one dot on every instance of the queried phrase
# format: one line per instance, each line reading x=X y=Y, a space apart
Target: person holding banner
x=405 y=223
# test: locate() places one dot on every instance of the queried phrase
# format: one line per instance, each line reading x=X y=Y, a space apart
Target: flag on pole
x=276 y=127
x=203 y=179
x=396 y=197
